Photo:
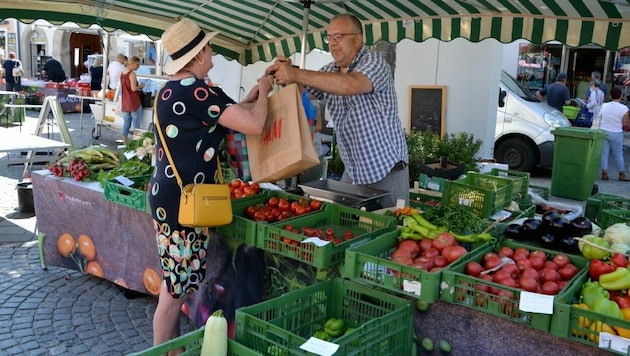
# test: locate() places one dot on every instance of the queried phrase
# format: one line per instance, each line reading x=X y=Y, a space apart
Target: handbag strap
x=168 y=153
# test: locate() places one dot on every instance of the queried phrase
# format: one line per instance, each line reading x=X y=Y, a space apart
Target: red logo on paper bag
x=273 y=132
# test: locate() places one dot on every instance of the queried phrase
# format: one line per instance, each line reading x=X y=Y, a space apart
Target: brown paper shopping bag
x=285 y=148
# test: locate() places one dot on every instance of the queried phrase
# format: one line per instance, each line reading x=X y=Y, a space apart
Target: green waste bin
x=576 y=160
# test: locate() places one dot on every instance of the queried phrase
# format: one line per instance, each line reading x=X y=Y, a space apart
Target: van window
x=516 y=88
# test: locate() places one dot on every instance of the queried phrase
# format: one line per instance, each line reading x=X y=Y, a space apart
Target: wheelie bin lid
x=578 y=132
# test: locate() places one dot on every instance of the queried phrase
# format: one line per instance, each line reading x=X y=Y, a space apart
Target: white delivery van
x=523 y=138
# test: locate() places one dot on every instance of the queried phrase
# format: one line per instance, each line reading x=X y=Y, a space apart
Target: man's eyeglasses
x=337 y=37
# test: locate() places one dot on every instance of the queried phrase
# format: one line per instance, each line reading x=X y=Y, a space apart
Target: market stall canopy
x=253 y=30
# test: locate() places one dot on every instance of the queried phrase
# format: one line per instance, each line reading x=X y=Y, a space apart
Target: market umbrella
x=255 y=30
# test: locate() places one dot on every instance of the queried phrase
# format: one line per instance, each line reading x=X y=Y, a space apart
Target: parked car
x=523 y=138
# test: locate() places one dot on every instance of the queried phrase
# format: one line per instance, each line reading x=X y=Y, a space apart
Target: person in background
x=96 y=74
x=131 y=105
x=359 y=91
x=614 y=117
x=595 y=99
x=151 y=54
x=12 y=83
x=596 y=76
x=556 y=94
x=193 y=117
x=115 y=69
x=53 y=71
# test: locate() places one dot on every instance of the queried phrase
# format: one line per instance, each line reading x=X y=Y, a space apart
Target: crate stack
x=607 y=209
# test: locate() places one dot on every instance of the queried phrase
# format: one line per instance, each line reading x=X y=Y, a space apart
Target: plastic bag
x=569 y=211
x=584 y=118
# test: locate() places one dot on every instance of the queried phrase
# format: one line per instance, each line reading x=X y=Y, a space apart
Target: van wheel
x=517 y=154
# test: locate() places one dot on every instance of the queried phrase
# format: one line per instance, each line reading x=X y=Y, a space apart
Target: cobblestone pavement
x=63 y=312
x=60 y=311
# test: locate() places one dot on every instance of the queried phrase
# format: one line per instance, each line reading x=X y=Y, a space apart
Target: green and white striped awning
x=253 y=30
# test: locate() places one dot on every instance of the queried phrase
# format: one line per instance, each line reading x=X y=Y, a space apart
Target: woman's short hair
x=615 y=93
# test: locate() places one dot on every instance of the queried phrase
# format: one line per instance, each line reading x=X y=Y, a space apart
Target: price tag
x=316 y=241
x=614 y=342
x=412 y=287
x=129 y=154
x=400 y=203
x=536 y=303
x=319 y=347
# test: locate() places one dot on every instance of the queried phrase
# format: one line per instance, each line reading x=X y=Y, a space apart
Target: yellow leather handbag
x=200 y=205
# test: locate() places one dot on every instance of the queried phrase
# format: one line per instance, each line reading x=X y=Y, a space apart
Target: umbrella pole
x=307 y=10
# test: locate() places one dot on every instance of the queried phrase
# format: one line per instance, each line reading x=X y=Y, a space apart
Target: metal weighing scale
x=344 y=193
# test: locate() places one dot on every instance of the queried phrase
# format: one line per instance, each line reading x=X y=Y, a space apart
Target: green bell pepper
x=335 y=327
x=607 y=307
x=592 y=252
x=322 y=335
x=591 y=292
x=617 y=280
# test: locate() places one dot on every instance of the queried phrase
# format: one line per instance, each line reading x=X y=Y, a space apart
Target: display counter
x=117 y=243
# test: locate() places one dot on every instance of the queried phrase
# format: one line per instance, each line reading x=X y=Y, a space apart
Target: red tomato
x=236 y=183
x=551 y=264
x=440 y=261
x=424 y=263
x=489 y=255
x=300 y=210
x=294 y=206
x=259 y=216
x=431 y=252
x=536 y=262
x=452 y=253
x=249 y=190
x=473 y=268
x=315 y=204
x=524 y=263
x=492 y=262
x=425 y=244
x=528 y=283
x=561 y=260
x=550 y=288
x=549 y=275
x=540 y=254
x=249 y=211
x=442 y=240
x=284 y=205
x=255 y=186
x=567 y=272
x=411 y=246
x=506 y=251
x=273 y=202
x=531 y=273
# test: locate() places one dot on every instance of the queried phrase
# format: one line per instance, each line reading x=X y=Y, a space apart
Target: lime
x=427 y=343
x=422 y=305
x=444 y=346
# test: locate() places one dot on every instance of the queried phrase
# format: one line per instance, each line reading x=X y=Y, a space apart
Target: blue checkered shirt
x=368 y=129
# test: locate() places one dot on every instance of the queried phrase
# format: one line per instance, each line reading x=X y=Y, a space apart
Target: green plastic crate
x=485 y=194
x=459 y=288
x=520 y=182
x=424 y=201
x=573 y=323
x=192 y=343
x=599 y=201
x=543 y=192
x=610 y=217
x=383 y=323
x=364 y=225
x=245 y=229
x=131 y=196
x=371 y=264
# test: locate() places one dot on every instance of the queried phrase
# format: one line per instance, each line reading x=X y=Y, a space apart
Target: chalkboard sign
x=427 y=105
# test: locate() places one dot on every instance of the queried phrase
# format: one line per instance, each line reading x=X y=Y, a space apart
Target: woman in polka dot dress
x=193 y=116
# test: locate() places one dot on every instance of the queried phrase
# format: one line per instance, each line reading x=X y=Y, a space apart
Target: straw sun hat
x=182 y=41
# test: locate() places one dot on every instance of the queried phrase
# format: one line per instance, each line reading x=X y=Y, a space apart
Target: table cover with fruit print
x=85 y=232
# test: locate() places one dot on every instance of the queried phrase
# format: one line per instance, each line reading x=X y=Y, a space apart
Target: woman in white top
x=595 y=99
x=614 y=118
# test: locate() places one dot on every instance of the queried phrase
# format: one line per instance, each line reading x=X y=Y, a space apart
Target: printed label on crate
x=374 y=271
x=319 y=347
x=124 y=181
x=412 y=287
x=536 y=303
x=316 y=241
x=464 y=202
x=614 y=342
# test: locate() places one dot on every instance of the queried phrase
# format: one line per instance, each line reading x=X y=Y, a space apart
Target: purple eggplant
x=581 y=226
